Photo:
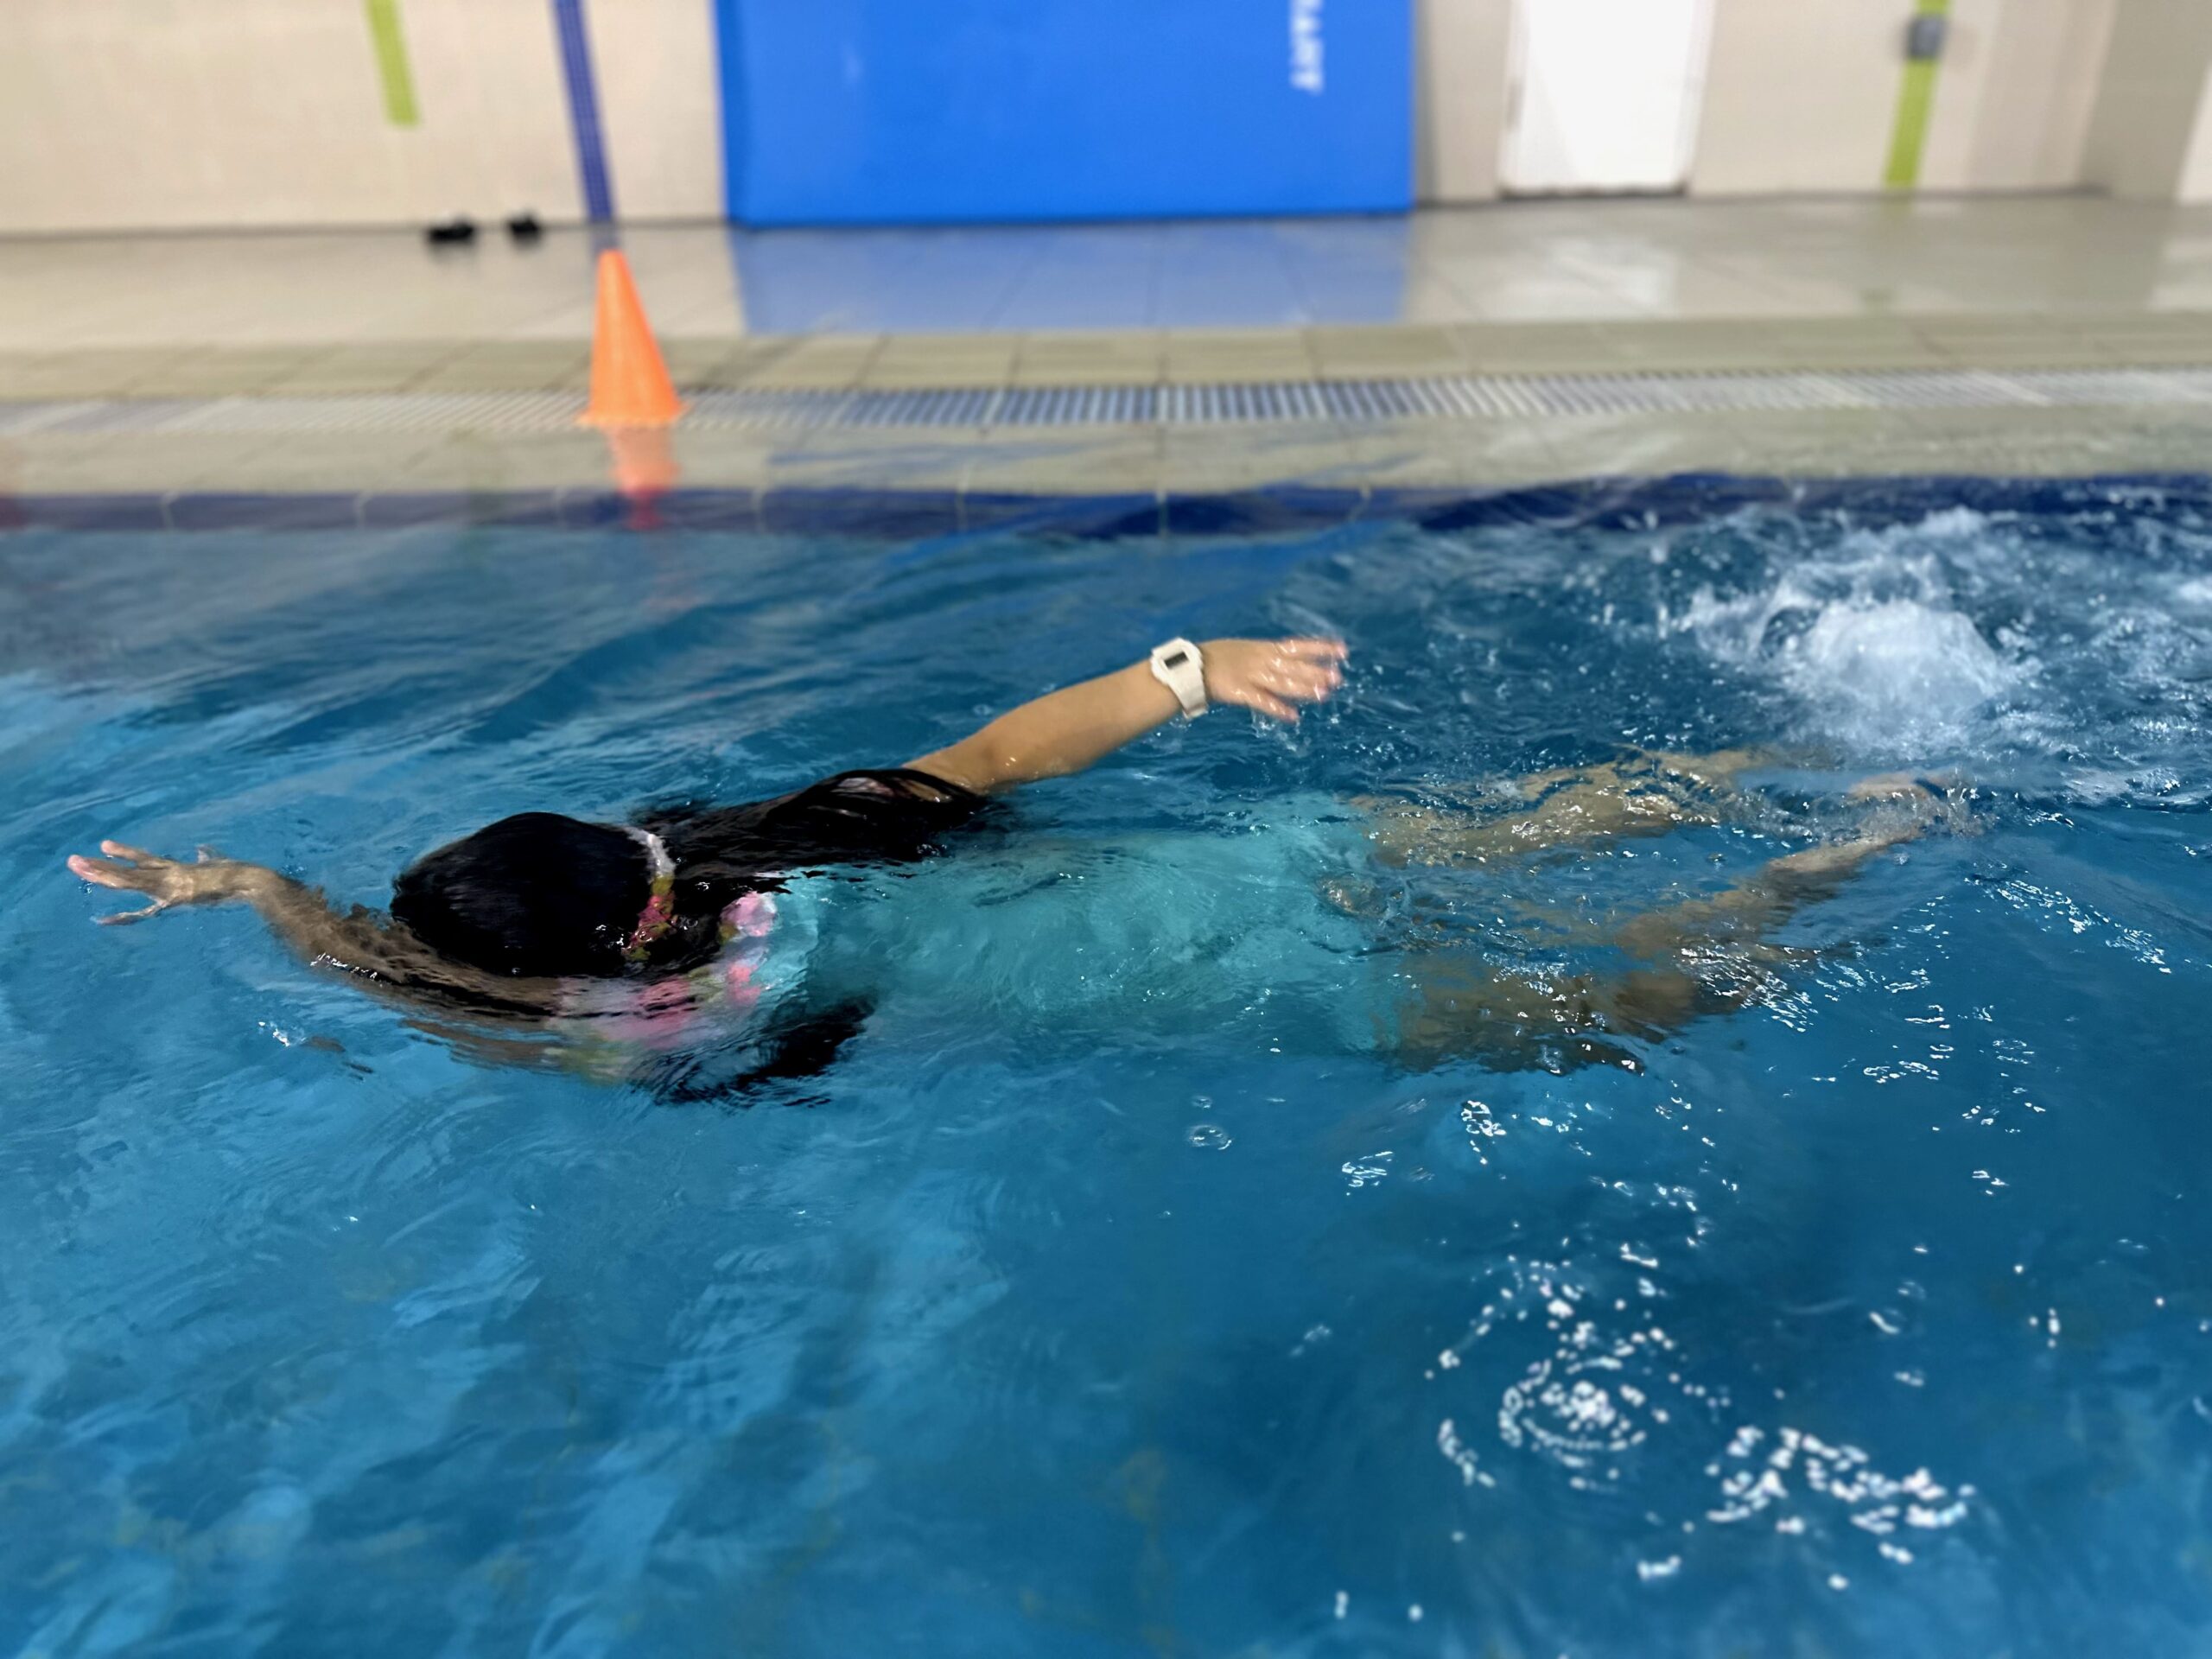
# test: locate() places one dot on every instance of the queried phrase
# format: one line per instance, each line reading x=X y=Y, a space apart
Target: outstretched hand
x=1272 y=677
x=210 y=880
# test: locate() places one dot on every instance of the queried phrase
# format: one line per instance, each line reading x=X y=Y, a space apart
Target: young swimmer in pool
x=540 y=919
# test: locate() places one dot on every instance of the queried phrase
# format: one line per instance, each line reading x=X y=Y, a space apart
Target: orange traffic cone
x=629 y=383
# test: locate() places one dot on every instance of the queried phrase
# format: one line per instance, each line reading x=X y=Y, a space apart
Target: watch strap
x=1180 y=667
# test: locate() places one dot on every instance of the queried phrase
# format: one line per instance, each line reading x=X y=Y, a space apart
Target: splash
x=1872 y=638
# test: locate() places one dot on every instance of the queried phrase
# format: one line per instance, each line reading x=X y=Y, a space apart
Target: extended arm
x=359 y=942
x=1075 y=727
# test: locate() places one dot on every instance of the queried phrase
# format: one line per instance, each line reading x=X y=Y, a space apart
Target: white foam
x=1869 y=638
x=1899 y=667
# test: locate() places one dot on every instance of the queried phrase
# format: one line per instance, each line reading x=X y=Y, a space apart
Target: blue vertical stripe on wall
x=583 y=110
x=729 y=49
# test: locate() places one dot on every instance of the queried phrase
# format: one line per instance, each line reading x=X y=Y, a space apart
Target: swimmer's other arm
x=356 y=942
x=1070 y=729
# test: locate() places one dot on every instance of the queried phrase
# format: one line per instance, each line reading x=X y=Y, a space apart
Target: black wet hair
x=536 y=894
x=550 y=897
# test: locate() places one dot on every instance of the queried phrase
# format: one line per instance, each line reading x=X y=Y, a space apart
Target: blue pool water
x=1120 y=1290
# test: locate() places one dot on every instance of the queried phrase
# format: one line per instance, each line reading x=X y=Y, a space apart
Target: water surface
x=1052 y=1318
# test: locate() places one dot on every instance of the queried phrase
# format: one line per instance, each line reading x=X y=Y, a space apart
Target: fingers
x=123 y=918
x=1272 y=677
x=1298 y=681
x=1313 y=650
x=116 y=850
x=107 y=875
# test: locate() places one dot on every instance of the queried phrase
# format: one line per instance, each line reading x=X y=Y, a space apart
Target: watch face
x=1176 y=661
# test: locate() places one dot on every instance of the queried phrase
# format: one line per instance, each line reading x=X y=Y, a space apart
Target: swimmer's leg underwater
x=1645 y=793
x=1702 y=957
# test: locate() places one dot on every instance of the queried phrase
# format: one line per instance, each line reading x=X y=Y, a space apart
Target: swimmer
x=542 y=920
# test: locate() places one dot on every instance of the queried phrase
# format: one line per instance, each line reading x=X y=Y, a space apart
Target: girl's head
x=536 y=894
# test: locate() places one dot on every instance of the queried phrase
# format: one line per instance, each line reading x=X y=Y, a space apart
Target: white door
x=1605 y=94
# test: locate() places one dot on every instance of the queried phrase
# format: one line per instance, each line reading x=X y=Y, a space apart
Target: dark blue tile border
x=895 y=515
x=84 y=511
x=1085 y=516
x=520 y=509
x=1259 y=512
x=710 y=510
x=264 y=511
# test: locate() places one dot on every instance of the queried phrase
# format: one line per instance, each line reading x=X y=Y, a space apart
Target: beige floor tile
x=1204 y=460
x=1077 y=371
x=722 y=459
x=926 y=461
x=2154 y=350
x=2189 y=321
x=1468 y=455
x=1436 y=341
x=1978 y=324
x=382 y=366
x=511 y=366
x=320 y=462
x=1509 y=357
x=1836 y=330
x=1547 y=335
x=235 y=372
x=106 y=464
x=1235 y=368
x=1779 y=353
x=1136 y=343
x=1387 y=365
x=942 y=360
x=1102 y=462
x=825 y=362
x=1191 y=357
x=100 y=373
x=729 y=374
x=730 y=365
x=2004 y=352
x=579 y=458
x=1134 y=358
x=690 y=359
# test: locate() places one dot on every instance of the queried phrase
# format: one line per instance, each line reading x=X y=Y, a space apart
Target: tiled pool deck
x=1608 y=289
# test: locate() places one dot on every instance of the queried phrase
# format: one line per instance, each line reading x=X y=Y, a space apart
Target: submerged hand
x=1271 y=676
x=210 y=880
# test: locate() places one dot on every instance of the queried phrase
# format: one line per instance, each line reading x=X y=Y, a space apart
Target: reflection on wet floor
x=1524 y=262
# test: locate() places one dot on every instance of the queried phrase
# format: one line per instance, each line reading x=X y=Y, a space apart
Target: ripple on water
x=1592 y=1375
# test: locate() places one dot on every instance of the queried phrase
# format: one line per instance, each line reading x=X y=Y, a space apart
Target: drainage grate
x=1346 y=403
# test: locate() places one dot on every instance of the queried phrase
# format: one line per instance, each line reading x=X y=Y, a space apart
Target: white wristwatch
x=1179 y=667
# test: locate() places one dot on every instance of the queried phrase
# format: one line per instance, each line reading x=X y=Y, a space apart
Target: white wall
x=2015 y=92
x=119 y=114
x=1460 y=62
x=660 y=102
x=2147 y=135
x=2196 y=182
x=1802 y=94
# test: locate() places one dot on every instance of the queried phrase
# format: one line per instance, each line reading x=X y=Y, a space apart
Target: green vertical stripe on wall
x=391 y=63
x=1916 y=103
